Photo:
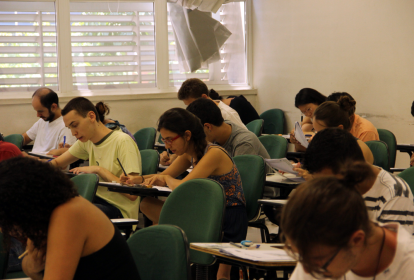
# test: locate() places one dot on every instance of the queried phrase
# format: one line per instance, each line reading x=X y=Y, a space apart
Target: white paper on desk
x=42 y=154
x=163 y=189
x=160 y=188
x=258 y=255
x=282 y=164
x=300 y=136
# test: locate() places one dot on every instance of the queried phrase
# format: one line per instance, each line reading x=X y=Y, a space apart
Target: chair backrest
x=408 y=176
x=150 y=160
x=160 y=139
x=274 y=120
x=389 y=138
x=255 y=126
x=197 y=207
x=276 y=146
x=86 y=185
x=160 y=252
x=380 y=152
x=253 y=176
x=16 y=139
x=145 y=138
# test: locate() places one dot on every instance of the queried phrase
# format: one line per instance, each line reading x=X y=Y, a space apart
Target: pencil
x=168 y=153
x=24 y=254
x=64 y=141
x=122 y=167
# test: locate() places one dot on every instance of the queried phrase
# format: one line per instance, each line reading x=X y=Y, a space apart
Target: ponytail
x=102 y=109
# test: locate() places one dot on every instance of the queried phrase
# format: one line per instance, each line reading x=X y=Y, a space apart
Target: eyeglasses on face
x=307 y=111
x=170 y=140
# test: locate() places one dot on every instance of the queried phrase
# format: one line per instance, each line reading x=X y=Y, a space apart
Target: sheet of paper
x=41 y=154
x=258 y=255
x=281 y=164
x=160 y=188
x=124 y=220
x=300 y=136
x=274 y=201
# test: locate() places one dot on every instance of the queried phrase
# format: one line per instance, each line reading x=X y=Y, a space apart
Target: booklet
x=300 y=136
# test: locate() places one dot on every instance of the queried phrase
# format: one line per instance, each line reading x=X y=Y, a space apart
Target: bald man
x=50 y=129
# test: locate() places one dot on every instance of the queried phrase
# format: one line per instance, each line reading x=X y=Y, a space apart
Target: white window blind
x=113 y=45
x=27 y=46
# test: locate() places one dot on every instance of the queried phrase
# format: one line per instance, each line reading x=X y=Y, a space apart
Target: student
x=103 y=147
x=240 y=104
x=49 y=131
x=183 y=134
x=362 y=128
x=103 y=109
x=66 y=236
x=335 y=114
x=235 y=140
x=328 y=230
x=387 y=197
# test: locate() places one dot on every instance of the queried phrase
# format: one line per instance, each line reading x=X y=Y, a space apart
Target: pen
x=168 y=153
x=122 y=167
x=64 y=141
x=237 y=245
x=24 y=254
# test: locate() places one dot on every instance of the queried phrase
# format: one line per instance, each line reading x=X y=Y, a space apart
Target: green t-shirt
x=105 y=153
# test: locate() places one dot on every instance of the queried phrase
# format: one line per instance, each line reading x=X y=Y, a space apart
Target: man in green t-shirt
x=102 y=147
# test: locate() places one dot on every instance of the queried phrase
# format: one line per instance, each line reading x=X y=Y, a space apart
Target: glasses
x=307 y=111
x=170 y=140
x=316 y=272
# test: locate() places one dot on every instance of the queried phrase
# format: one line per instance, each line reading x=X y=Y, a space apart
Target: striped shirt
x=391 y=200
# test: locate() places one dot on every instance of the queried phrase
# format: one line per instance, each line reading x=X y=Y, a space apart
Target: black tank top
x=113 y=262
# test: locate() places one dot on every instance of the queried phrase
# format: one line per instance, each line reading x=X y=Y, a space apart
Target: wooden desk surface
x=263 y=246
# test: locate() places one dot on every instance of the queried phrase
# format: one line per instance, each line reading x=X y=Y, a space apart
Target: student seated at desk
x=361 y=128
x=328 y=230
x=335 y=114
x=67 y=237
x=183 y=134
x=307 y=100
x=49 y=131
x=103 y=147
x=387 y=197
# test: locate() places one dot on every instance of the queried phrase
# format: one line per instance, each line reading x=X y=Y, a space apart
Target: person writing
x=183 y=134
x=66 y=236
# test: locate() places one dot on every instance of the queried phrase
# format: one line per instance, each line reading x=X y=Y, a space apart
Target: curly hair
x=29 y=192
x=178 y=121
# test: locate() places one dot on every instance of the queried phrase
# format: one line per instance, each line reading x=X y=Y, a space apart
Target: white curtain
x=202 y=5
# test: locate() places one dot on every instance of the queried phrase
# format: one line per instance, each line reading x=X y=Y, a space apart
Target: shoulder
x=70 y=212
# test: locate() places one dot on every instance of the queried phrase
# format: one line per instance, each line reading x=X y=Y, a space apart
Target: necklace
x=379 y=258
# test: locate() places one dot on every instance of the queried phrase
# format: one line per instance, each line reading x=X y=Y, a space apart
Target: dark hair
x=47 y=97
x=192 y=88
x=29 y=192
x=326 y=211
x=82 y=106
x=412 y=109
x=102 y=109
x=337 y=95
x=207 y=111
x=334 y=114
x=309 y=95
x=331 y=148
x=179 y=121
x=214 y=95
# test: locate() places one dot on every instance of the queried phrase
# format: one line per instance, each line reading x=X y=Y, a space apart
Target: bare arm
x=26 y=139
x=307 y=125
x=64 y=160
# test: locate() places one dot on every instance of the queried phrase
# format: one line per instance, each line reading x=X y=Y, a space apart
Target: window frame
x=162 y=89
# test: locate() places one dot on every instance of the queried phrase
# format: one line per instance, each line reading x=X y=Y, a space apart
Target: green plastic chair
x=389 y=138
x=150 y=160
x=255 y=126
x=380 y=151
x=161 y=252
x=276 y=146
x=197 y=207
x=145 y=138
x=86 y=185
x=16 y=139
x=408 y=176
x=274 y=120
x=253 y=176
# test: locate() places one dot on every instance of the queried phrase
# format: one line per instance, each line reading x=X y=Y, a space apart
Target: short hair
x=214 y=95
x=331 y=148
x=337 y=95
x=47 y=97
x=326 y=211
x=412 y=109
x=82 y=106
x=192 y=88
x=207 y=111
x=29 y=192
x=334 y=114
x=309 y=95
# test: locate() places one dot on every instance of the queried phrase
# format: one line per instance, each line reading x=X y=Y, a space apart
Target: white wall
x=365 y=48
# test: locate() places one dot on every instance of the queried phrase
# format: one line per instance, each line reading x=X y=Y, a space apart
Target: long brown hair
x=334 y=114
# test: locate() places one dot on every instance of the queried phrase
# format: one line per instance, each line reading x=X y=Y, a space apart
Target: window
x=114 y=45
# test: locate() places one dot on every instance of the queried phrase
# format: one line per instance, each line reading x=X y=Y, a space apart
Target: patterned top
x=231 y=183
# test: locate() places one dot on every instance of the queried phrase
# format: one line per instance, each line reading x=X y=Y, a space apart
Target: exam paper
x=258 y=255
x=300 y=136
x=282 y=164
